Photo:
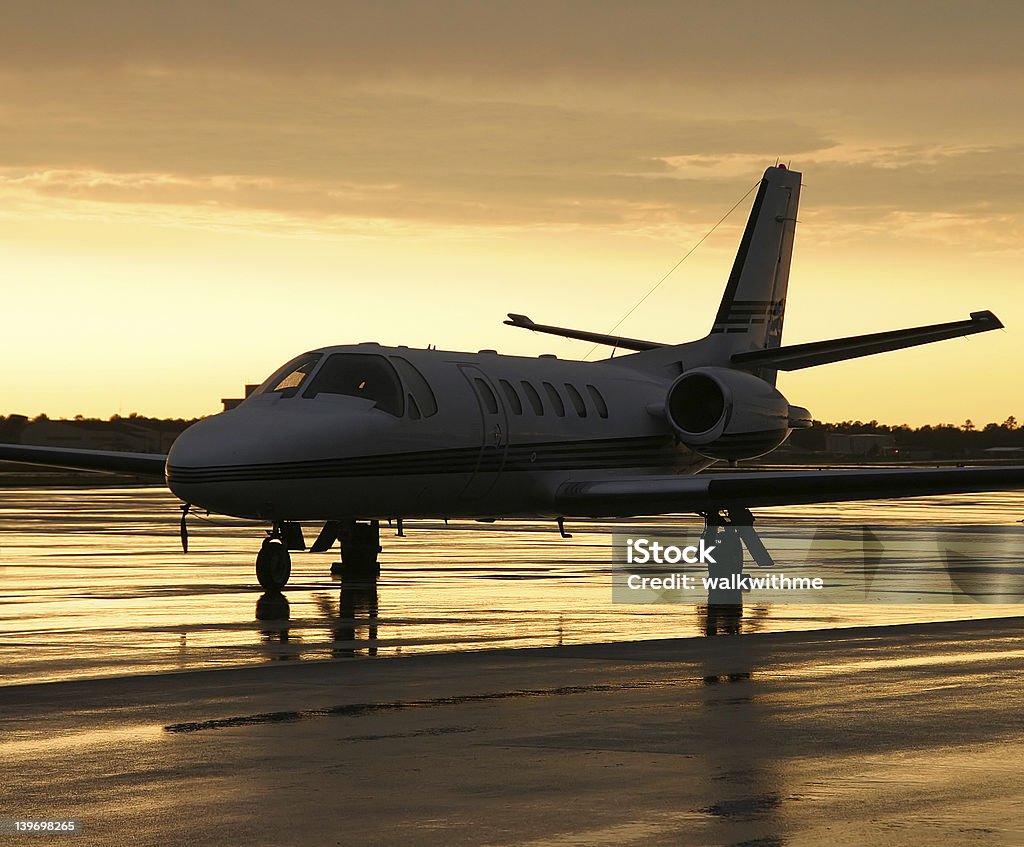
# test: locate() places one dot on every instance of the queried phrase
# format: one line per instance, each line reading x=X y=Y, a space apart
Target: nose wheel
x=273 y=564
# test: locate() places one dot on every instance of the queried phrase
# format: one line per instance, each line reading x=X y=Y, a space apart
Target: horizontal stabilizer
x=109 y=461
x=524 y=322
x=797 y=356
x=664 y=494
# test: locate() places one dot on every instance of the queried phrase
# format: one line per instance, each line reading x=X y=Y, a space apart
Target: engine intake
x=726 y=414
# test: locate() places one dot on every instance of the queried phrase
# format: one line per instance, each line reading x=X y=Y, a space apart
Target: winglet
x=987 y=317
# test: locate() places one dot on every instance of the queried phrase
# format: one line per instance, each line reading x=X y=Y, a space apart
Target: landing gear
x=359 y=546
x=735 y=530
x=273 y=564
x=720 y=534
x=729 y=534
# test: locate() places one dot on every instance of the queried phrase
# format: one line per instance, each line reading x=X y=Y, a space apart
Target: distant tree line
x=133 y=417
x=943 y=437
x=13 y=427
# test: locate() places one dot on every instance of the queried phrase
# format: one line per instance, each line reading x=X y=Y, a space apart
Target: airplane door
x=493 y=434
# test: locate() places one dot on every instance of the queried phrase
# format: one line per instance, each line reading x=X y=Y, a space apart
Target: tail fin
x=754 y=304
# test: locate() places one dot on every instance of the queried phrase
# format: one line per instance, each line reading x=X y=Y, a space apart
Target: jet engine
x=726 y=414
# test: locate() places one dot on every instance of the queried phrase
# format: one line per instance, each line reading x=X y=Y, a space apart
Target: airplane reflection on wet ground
x=92 y=583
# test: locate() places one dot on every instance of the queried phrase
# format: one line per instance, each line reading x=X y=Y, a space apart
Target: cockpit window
x=287 y=379
x=421 y=397
x=359 y=375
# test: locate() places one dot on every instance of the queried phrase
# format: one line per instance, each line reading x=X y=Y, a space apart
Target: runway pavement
x=876 y=735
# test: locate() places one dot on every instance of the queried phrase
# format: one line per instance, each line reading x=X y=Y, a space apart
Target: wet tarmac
x=93 y=583
x=885 y=735
x=158 y=698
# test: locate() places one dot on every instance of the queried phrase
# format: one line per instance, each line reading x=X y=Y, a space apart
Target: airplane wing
x=796 y=356
x=111 y=461
x=660 y=494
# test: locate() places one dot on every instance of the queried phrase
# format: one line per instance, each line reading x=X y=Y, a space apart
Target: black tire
x=273 y=565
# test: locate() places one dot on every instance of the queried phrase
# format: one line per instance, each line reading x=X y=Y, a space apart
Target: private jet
x=347 y=437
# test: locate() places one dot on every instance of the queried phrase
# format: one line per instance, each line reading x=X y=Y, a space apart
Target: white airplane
x=348 y=436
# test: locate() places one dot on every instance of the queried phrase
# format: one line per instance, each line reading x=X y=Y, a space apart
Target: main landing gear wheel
x=273 y=565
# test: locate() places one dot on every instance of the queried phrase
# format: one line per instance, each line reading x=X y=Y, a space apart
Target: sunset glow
x=190 y=198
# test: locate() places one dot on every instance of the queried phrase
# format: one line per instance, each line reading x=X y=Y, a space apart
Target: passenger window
x=359 y=375
x=533 y=397
x=595 y=395
x=555 y=398
x=289 y=377
x=419 y=389
x=576 y=400
x=512 y=395
x=490 y=401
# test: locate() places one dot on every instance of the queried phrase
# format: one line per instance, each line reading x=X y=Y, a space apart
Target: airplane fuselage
x=457 y=435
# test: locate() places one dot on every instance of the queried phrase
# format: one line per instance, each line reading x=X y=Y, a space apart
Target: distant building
x=91 y=435
x=862 y=444
x=232 y=402
x=1003 y=452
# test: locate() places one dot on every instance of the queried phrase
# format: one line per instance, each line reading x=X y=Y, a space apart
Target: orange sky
x=190 y=194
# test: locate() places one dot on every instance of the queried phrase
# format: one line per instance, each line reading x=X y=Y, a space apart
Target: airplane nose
x=263 y=460
x=199 y=445
x=208 y=463
x=285 y=458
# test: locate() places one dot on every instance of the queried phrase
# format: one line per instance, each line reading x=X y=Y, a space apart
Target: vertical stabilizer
x=754 y=304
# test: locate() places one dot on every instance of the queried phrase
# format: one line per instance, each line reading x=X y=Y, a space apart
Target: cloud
x=954 y=178
x=309 y=152
x=683 y=42
x=575 y=112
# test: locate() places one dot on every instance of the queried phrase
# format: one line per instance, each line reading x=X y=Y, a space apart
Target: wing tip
x=988 y=318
